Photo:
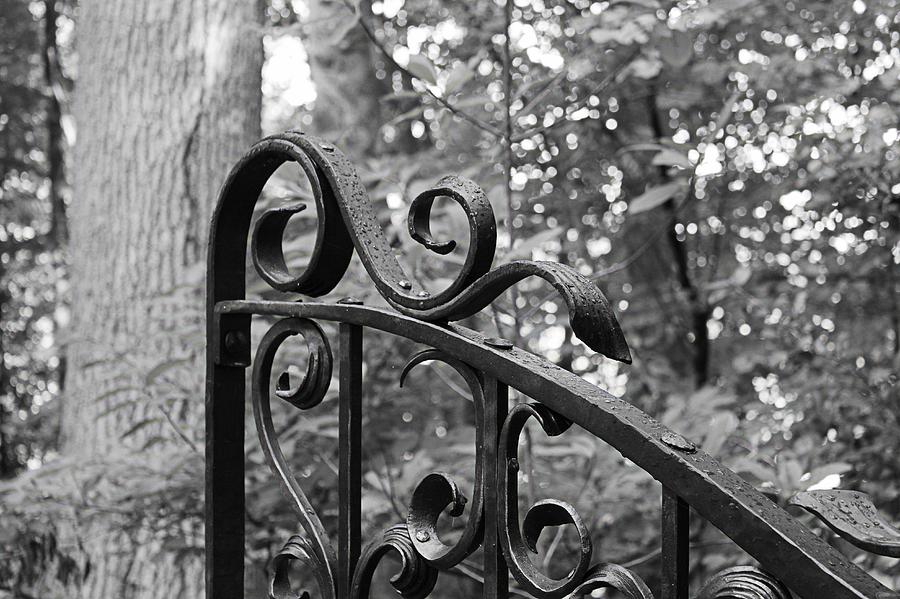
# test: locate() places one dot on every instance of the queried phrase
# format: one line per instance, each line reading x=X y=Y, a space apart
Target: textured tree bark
x=167 y=98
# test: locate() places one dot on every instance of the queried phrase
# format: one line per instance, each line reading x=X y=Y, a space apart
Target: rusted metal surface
x=790 y=554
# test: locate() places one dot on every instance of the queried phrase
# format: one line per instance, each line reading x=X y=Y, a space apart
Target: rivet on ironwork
x=498 y=342
x=404 y=284
x=350 y=301
x=422 y=536
x=235 y=341
x=513 y=465
x=676 y=441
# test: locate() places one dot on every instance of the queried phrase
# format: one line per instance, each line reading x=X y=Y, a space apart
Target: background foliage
x=727 y=170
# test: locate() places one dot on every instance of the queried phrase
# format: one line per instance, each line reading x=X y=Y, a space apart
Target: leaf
x=719 y=428
x=740 y=276
x=676 y=50
x=646 y=68
x=422 y=68
x=652 y=4
x=758 y=470
x=670 y=157
x=654 y=197
x=163 y=367
x=138 y=426
x=523 y=251
x=821 y=472
x=340 y=32
x=789 y=473
x=458 y=77
x=643 y=147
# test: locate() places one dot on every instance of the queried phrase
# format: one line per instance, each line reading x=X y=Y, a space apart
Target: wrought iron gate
x=790 y=555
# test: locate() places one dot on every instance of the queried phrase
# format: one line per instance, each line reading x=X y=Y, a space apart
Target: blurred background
x=726 y=170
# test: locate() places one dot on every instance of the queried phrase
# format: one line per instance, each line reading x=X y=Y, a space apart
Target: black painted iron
x=791 y=555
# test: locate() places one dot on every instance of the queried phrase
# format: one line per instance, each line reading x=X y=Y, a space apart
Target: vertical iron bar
x=496 y=574
x=350 y=460
x=225 y=484
x=675 y=546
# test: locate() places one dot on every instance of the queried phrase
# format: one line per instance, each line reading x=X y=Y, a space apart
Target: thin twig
x=178 y=430
x=389 y=491
x=467 y=571
x=475 y=121
x=546 y=89
x=656 y=552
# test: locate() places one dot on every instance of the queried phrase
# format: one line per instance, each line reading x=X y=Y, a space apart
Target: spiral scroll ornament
x=518 y=543
x=743 y=582
x=438 y=491
x=347 y=221
x=313 y=547
x=613 y=576
x=298 y=550
x=416 y=578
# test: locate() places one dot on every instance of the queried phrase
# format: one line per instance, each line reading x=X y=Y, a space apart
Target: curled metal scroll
x=331 y=254
x=438 y=491
x=314 y=547
x=416 y=578
x=743 y=582
x=516 y=542
x=613 y=576
x=347 y=220
x=298 y=549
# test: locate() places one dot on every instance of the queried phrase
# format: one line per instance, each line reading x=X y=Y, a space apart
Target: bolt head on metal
x=676 y=441
x=498 y=342
x=422 y=536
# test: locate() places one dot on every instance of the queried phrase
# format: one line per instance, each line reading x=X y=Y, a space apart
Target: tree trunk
x=167 y=98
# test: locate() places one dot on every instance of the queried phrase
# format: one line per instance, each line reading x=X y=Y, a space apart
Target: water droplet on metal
x=328 y=147
x=350 y=301
x=423 y=294
x=676 y=441
x=422 y=536
x=498 y=342
x=404 y=284
x=513 y=465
